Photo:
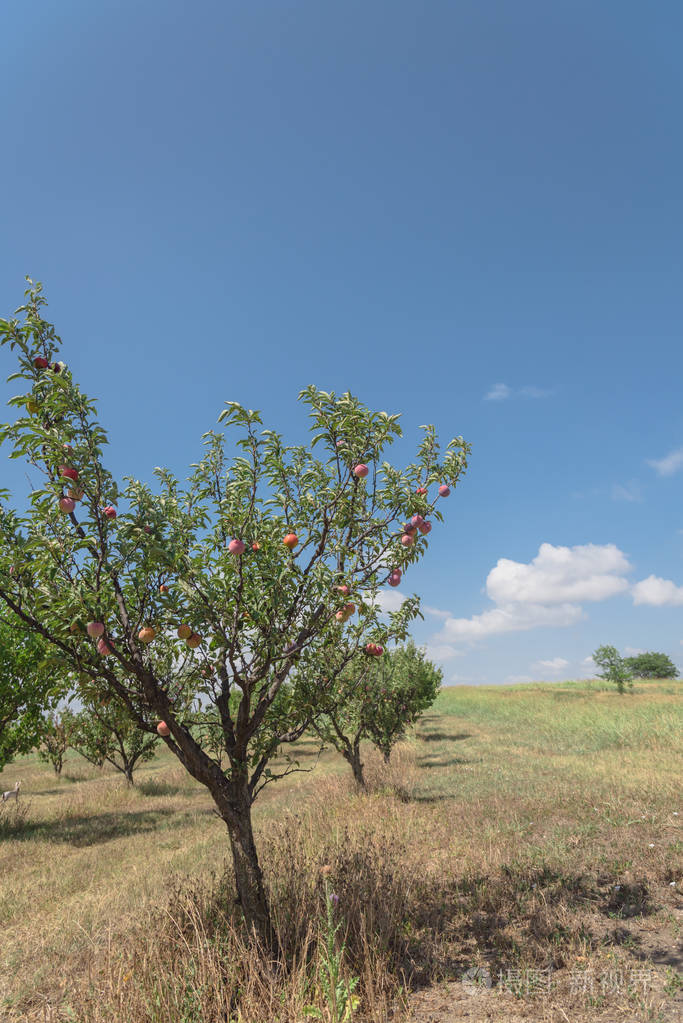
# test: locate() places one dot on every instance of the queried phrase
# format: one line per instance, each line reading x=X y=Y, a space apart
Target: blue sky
x=467 y=213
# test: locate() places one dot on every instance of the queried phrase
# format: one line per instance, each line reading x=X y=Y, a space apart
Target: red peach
x=291 y=540
x=417 y=520
x=256 y=547
x=184 y=632
x=66 y=505
x=66 y=470
x=163 y=729
x=146 y=634
x=425 y=528
x=444 y=491
x=361 y=471
x=237 y=547
x=344 y=590
x=40 y=362
x=110 y=512
x=395 y=578
x=95 y=629
x=422 y=491
x=103 y=647
x=407 y=540
x=163 y=588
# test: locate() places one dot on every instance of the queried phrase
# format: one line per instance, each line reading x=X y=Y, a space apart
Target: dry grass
x=522 y=829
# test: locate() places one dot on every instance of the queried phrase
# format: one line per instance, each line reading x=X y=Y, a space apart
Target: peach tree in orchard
x=103 y=731
x=378 y=705
x=248 y=588
x=26 y=689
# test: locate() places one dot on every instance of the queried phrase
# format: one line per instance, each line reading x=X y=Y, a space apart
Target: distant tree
x=55 y=733
x=103 y=732
x=27 y=688
x=383 y=699
x=614 y=667
x=651 y=665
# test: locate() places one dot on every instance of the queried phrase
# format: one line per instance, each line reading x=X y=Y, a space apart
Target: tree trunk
x=251 y=893
x=352 y=756
x=128 y=771
x=386 y=753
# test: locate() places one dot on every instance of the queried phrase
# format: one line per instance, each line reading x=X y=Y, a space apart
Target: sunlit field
x=530 y=831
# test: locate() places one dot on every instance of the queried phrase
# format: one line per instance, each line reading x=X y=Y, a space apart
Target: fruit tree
x=143 y=591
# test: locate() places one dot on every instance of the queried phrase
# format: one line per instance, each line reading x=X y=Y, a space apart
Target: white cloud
x=559 y=575
x=546 y=592
x=555 y=665
x=511 y=618
x=499 y=392
x=657 y=592
x=628 y=492
x=390 y=600
x=442 y=652
x=632 y=651
x=668 y=465
x=436 y=612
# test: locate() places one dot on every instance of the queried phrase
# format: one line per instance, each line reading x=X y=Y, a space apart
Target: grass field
x=530 y=831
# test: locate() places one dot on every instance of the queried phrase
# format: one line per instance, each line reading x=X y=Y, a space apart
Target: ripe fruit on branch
x=395 y=578
x=163 y=588
x=95 y=629
x=40 y=362
x=146 y=634
x=103 y=648
x=361 y=471
x=410 y=529
x=110 y=512
x=56 y=367
x=422 y=491
x=66 y=505
x=256 y=547
x=373 y=649
x=349 y=609
x=68 y=472
x=163 y=729
x=344 y=590
x=193 y=641
x=184 y=632
x=340 y=616
x=425 y=528
x=407 y=540
x=237 y=547
x=291 y=540
x=417 y=520
x=444 y=491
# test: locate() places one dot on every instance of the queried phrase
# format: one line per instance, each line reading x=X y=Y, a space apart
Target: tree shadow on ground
x=430 y=761
x=443 y=736
x=85 y=830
